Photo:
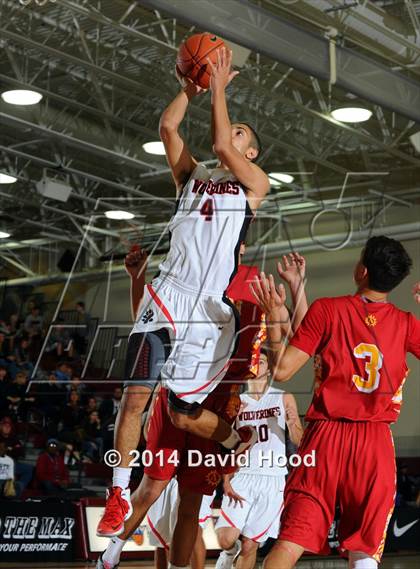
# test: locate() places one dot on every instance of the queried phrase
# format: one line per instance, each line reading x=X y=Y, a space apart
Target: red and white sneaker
x=118 y=509
x=249 y=437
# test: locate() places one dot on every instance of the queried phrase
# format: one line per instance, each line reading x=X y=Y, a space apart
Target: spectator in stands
x=108 y=413
x=14 y=449
x=77 y=385
x=7 y=473
x=91 y=405
x=51 y=472
x=109 y=407
x=63 y=372
x=51 y=397
x=72 y=417
x=59 y=341
x=23 y=356
x=6 y=354
x=81 y=332
x=34 y=322
x=4 y=382
x=19 y=400
x=92 y=444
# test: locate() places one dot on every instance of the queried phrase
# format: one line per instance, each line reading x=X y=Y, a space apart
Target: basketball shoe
x=101 y=564
x=227 y=558
x=118 y=509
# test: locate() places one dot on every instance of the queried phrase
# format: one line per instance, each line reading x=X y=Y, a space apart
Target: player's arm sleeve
x=310 y=334
x=413 y=339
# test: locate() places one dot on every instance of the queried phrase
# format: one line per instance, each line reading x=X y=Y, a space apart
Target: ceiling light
x=6 y=179
x=118 y=214
x=21 y=97
x=4 y=235
x=155 y=147
x=281 y=177
x=351 y=114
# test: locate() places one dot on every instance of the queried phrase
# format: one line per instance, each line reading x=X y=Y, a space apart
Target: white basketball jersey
x=268 y=416
x=211 y=220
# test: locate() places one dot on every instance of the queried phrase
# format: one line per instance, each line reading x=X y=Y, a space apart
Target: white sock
x=359 y=560
x=172 y=566
x=121 y=477
x=113 y=552
x=232 y=440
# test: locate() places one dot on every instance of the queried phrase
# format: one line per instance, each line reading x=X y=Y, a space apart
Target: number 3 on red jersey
x=372 y=367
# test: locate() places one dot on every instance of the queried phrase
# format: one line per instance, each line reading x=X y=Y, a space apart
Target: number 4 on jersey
x=207 y=209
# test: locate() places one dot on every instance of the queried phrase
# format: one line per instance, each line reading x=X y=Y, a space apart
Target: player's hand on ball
x=136 y=261
x=269 y=297
x=221 y=71
x=190 y=88
x=293 y=268
x=416 y=292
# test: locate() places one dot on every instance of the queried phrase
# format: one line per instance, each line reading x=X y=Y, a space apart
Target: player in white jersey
x=184 y=328
x=162 y=519
x=253 y=498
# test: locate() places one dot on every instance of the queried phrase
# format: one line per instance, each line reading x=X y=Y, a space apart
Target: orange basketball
x=192 y=57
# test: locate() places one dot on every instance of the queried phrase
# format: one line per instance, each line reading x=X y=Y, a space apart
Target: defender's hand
x=136 y=262
x=221 y=73
x=416 y=292
x=293 y=271
x=269 y=297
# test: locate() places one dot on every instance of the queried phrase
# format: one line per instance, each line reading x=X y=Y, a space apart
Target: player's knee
x=179 y=420
x=249 y=547
x=225 y=540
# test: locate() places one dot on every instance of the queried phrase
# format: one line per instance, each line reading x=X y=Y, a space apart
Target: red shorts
x=355 y=469
x=172 y=451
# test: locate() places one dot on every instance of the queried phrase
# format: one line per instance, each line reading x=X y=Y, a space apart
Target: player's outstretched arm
x=250 y=175
x=292 y=271
x=284 y=362
x=136 y=265
x=179 y=158
x=292 y=419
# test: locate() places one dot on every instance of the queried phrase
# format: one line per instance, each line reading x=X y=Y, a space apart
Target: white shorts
x=162 y=516
x=202 y=332
x=259 y=517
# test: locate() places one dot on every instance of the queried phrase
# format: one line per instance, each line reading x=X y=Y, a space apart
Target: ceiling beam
x=259 y=30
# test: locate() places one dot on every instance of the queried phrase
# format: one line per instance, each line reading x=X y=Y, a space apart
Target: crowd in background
x=48 y=403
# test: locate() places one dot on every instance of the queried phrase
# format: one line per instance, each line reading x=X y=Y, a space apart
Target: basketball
x=192 y=57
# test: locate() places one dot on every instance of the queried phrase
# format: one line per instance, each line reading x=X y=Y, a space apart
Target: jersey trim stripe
x=227 y=518
x=161 y=306
x=157 y=534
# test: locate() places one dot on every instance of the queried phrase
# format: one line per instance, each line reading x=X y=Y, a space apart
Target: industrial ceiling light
x=277 y=177
x=21 y=97
x=351 y=114
x=6 y=179
x=155 y=147
x=4 y=235
x=118 y=214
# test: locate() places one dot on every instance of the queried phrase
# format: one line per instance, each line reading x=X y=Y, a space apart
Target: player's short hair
x=255 y=140
x=387 y=263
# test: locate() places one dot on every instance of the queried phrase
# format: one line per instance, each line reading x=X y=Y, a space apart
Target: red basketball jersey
x=360 y=352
